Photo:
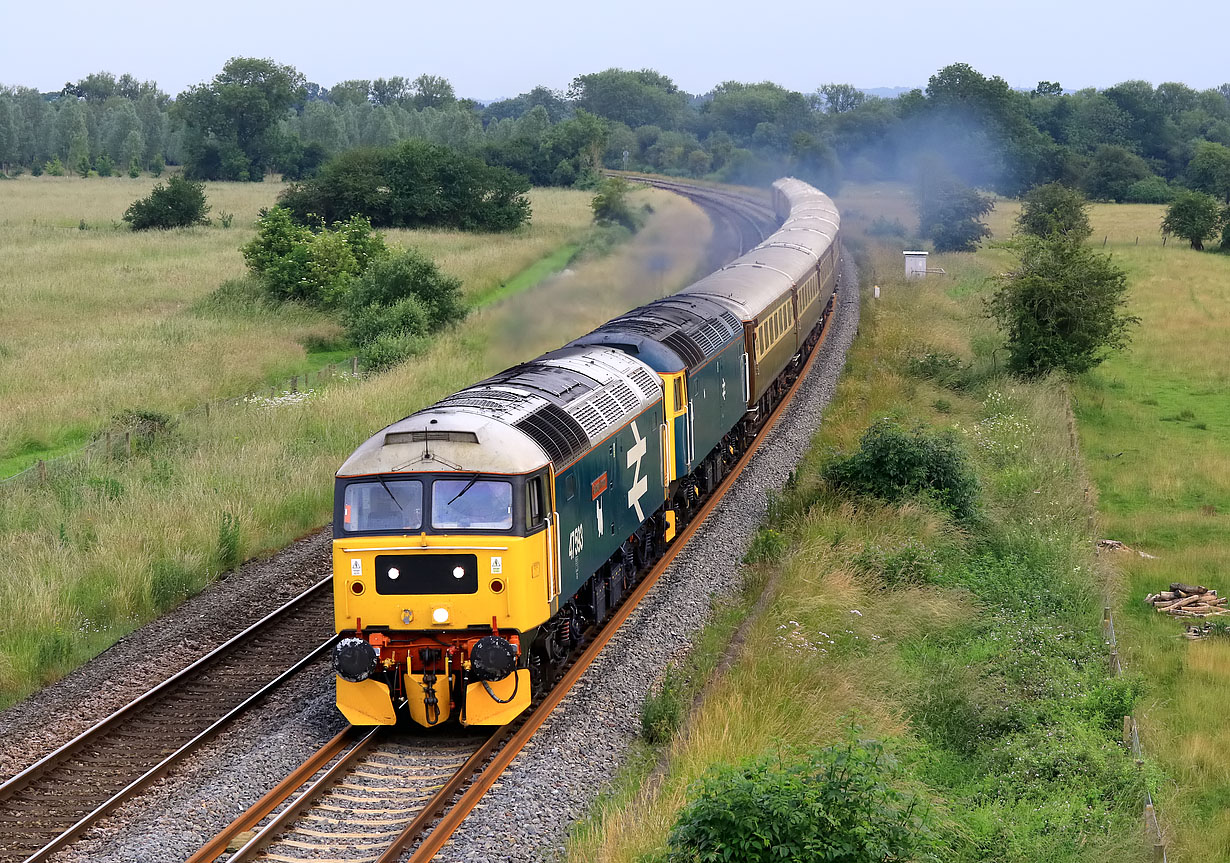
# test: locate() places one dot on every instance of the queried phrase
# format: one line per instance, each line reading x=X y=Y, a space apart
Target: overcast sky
x=497 y=49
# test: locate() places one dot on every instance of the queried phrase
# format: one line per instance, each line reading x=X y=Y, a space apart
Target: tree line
x=1129 y=142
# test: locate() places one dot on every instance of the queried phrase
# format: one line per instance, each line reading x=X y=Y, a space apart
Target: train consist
x=474 y=541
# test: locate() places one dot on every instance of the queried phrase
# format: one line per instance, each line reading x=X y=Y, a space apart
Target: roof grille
x=561 y=437
x=682 y=344
x=648 y=383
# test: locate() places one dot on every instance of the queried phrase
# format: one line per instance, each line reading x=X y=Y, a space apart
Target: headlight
x=458 y=572
x=394 y=572
x=440 y=615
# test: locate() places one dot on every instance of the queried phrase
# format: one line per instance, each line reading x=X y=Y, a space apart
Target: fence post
x=42 y=471
x=1127 y=731
x=294 y=384
x=206 y=410
x=354 y=365
x=128 y=443
x=107 y=446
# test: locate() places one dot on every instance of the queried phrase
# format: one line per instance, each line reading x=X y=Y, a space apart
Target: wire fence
x=1131 y=740
x=118 y=444
x=1131 y=732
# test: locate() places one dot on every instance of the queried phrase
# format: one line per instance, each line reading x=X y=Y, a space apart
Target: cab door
x=677 y=436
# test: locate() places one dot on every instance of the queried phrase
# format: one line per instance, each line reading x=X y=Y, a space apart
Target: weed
x=229 y=553
x=943 y=406
x=767 y=545
x=664 y=709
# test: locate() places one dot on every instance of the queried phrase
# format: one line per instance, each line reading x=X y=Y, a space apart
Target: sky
x=492 y=50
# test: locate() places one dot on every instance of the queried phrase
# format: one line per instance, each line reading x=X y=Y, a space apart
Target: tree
x=643 y=98
x=1209 y=169
x=1112 y=172
x=432 y=91
x=1195 y=217
x=840 y=98
x=1055 y=210
x=231 y=124
x=950 y=213
x=179 y=204
x=1048 y=88
x=414 y=184
x=1062 y=308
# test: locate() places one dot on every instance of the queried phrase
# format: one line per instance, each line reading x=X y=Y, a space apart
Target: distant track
x=740 y=221
x=54 y=800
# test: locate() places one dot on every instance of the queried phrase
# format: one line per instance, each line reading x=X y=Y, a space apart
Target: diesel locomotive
x=474 y=541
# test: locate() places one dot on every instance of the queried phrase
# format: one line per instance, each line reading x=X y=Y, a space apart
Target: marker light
x=458 y=572
x=440 y=615
x=394 y=572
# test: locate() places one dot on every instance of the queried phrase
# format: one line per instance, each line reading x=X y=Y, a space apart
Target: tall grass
x=973 y=649
x=102 y=320
x=101 y=549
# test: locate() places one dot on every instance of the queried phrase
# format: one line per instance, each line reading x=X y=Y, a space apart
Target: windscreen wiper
x=385 y=486
x=469 y=486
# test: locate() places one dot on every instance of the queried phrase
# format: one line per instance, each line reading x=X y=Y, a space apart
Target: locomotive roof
x=555 y=408
x=670 y=333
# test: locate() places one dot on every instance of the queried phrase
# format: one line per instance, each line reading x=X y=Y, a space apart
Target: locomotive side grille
x=560 y=436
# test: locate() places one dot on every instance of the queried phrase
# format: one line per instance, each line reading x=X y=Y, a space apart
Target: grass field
x=1155 y=428
x=102 y=320
x=103 y=547
x=972 y=649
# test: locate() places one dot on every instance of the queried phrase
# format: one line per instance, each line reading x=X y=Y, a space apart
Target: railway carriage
x=476 y=539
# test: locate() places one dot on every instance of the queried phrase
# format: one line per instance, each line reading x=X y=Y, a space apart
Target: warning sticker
x=356 y=566
x=497 y=565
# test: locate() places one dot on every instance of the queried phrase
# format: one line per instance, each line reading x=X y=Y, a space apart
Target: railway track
x=366 y=783
x=51 y=802
x=369 y=799
x=740 y=221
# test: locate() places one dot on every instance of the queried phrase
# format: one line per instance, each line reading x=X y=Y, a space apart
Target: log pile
x=1188 y=600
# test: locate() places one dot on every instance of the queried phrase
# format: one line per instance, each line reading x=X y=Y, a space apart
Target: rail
x=54 y=800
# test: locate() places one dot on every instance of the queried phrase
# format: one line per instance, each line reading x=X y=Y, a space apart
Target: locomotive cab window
x=394 y=505
x=474 y=503
x=535 y=505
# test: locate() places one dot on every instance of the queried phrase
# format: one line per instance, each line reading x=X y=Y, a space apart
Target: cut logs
x=1188 y=600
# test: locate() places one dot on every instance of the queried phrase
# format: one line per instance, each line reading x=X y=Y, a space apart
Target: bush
x=179 y=204
x=1054 y=210
x=611 y=204
x=833 y=804
x=388 y=350
x=54 y=168
x=104 y=166
x=882 y=226
x=390 y=281
x=295 y=262
x=1150 y=190
x=894 y=463
x=407 y=316
x=1061 y=309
